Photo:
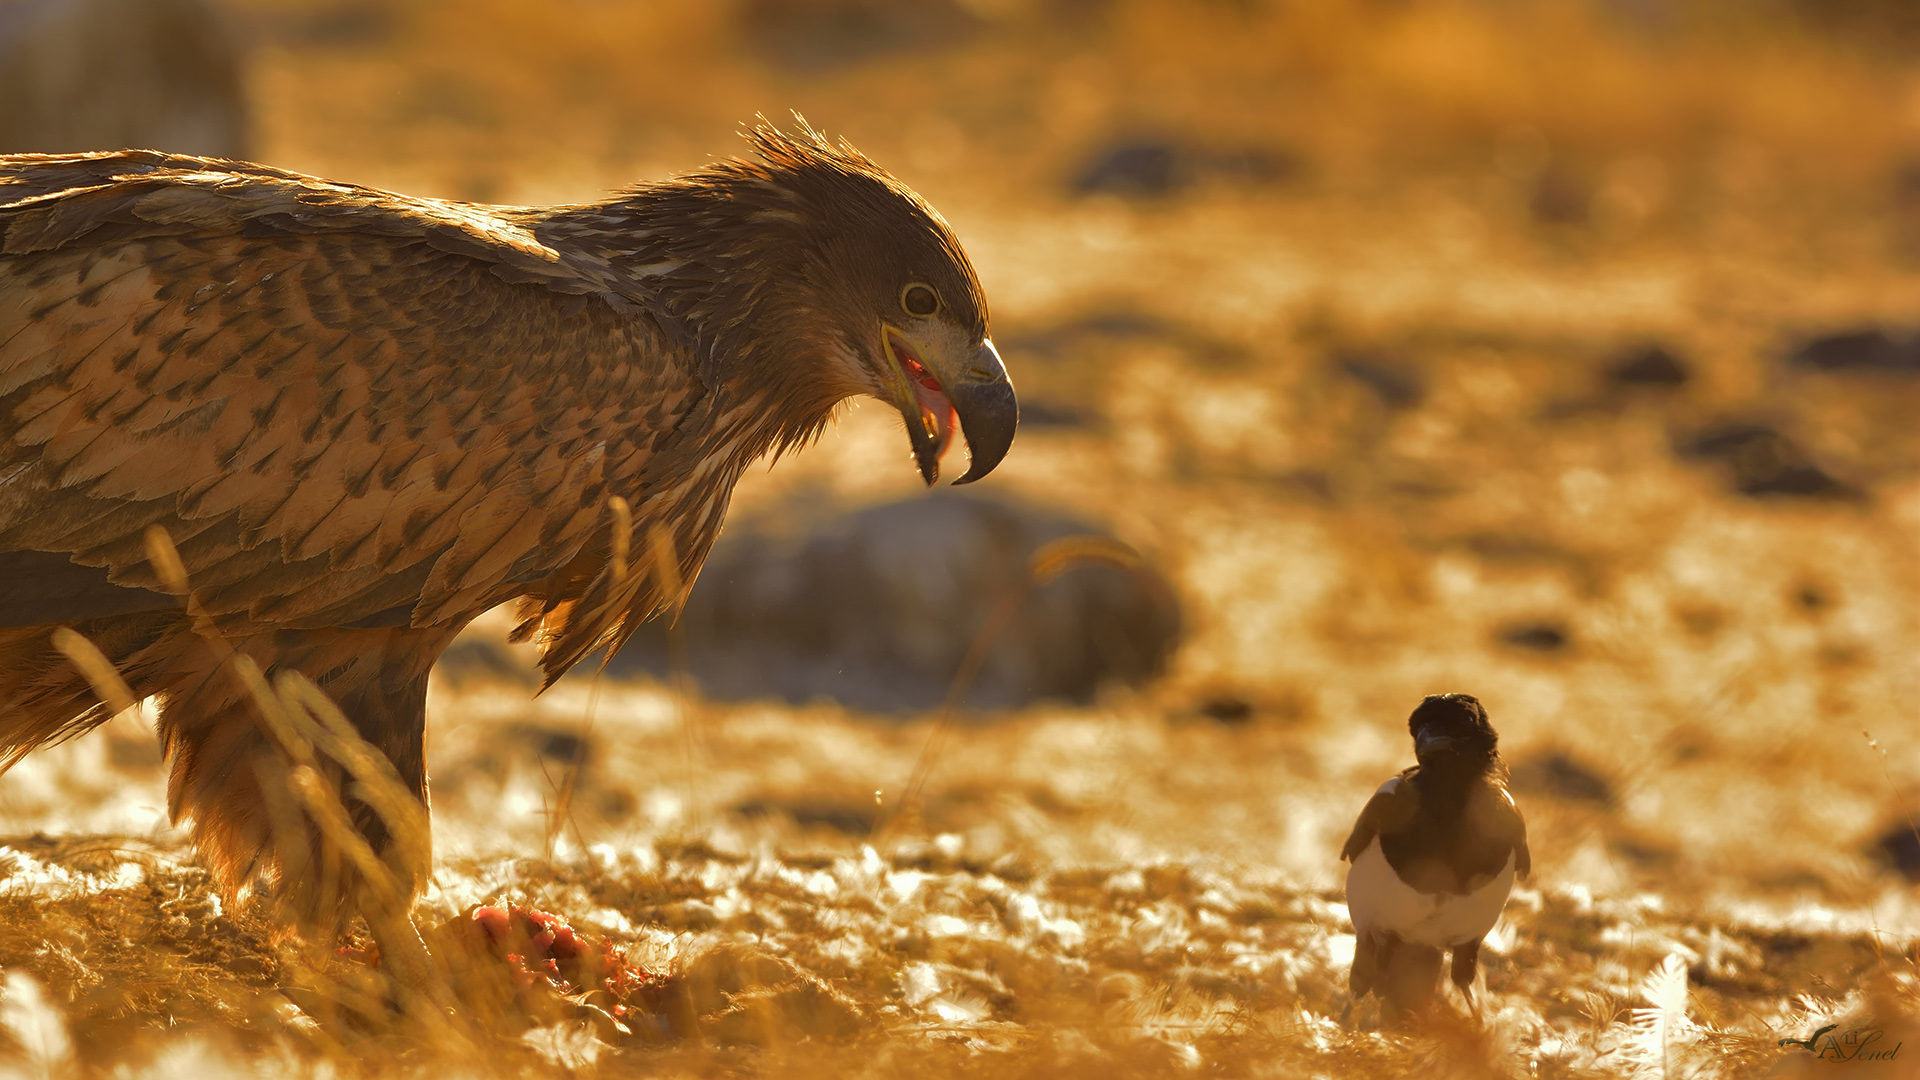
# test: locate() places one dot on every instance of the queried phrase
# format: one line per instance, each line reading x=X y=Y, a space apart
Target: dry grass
x=1123 y=890
x=1137 y=888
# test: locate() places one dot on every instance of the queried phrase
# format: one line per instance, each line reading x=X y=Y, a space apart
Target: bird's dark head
x=1451 y=732
x=811 y=270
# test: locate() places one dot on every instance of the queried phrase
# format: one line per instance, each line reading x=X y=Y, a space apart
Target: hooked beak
x=938 y=386
x=1426 y=744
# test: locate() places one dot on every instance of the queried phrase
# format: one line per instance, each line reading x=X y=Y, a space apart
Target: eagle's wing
x=348 y=408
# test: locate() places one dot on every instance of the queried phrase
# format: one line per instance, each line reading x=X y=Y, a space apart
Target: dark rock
x=1042 y=414
x=1561 y=196
x=342 y=24
x=1764 y=461
x=553 y=748
x=877 y=608
x=846 y=818
x=1808 y=481
x=247 y=967
x=1227 y=709
x=1873 y=351
x=1725 y=440
x=552 y=743
x=1650 y=366
x=1398 y=386
x=81 y=75
x=1887 y=27
x=1086 y=337
x=1517 y=548
x=1812 y=598
x=1149 y=167
x=1137 y=169
x=1538 y=636
x=1314 y=484
x=1123 y=324
x=1100 y=324
x=134 y=752
x=472 y=658
x=1251 y=165
x=1559 y=775
x=1906 y=182
x=813 y=35
x=1645 y=854
x=1898 y=848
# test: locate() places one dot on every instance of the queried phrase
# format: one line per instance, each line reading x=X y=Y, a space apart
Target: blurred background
x=1566 y=353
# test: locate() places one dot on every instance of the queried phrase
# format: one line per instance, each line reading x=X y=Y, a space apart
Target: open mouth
x=936 y=410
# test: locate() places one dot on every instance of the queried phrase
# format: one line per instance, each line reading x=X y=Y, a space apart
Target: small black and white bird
x=1434 y=855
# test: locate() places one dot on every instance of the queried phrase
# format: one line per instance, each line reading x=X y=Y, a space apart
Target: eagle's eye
x=919 y=300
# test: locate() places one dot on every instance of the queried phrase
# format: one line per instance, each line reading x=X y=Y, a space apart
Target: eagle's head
x=809 y=274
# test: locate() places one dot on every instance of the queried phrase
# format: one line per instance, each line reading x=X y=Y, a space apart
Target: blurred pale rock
x=877 y=608
x=81 y=75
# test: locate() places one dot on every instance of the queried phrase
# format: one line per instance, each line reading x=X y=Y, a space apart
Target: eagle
x=362 y=419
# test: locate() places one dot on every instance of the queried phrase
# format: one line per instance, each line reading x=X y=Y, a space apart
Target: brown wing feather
x=319 y=391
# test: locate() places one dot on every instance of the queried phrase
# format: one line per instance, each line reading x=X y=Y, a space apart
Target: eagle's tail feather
x=44 y=699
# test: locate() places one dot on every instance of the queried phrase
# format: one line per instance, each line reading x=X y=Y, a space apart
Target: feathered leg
x=229 y=773
x=229 y=768
x=321 y=782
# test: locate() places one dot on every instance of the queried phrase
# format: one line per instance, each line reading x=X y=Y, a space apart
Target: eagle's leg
x=387 y=705
x=236 y=781
x=230 y=775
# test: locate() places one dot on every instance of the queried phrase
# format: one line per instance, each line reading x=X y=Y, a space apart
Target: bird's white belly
x=1380 y=902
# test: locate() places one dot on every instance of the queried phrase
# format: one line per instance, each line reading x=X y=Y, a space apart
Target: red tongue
x=921 y=374
x=936 y=412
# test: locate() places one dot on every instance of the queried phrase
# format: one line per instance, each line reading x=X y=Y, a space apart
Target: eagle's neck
x=727 y=274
